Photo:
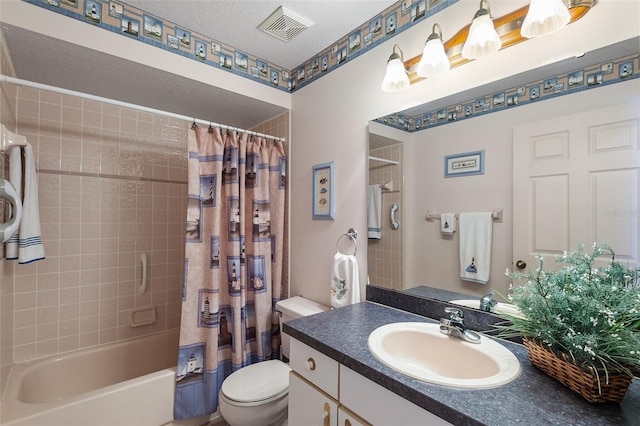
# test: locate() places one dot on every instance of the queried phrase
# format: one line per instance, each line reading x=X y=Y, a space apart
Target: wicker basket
x=580 y=380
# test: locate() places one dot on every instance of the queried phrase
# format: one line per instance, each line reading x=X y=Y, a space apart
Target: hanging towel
x=345 y=287
x=30 y=246
x=475 y=246
x=374 y=212
x=448 y=223
x=15 y=177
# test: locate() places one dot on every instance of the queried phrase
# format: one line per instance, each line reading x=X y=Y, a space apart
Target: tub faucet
x=487 y=302
x=454 y=326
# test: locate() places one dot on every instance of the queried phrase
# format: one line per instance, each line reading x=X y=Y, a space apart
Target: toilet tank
x=295 y=307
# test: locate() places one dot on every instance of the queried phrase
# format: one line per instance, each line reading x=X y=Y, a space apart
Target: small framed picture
x=130 y=26
x=324 y=191
x=467 y=164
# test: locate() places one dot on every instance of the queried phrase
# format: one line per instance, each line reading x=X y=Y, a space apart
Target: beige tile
x=47 y=347
x=89 y=339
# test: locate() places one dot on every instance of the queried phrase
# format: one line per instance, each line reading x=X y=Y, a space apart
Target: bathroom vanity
x=323 y=391
x=344 y=376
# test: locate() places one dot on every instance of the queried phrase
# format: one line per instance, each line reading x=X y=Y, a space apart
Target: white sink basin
x=421 y=351
x=500 y=308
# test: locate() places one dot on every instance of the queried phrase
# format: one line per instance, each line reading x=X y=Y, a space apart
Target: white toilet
x=258 y=395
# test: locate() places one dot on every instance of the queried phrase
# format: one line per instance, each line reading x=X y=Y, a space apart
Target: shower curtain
x=233 y=262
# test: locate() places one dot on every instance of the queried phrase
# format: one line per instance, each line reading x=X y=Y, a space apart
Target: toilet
x=258 y=395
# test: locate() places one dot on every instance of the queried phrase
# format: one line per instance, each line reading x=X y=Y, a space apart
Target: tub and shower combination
x=125 y=383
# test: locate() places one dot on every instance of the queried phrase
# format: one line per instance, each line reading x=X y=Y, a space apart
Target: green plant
x=590 y=313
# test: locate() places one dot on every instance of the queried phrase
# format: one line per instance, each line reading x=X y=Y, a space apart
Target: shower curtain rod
x=27 y=83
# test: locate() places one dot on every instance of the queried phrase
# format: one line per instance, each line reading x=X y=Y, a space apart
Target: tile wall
x=386 y=256
x=112 y=185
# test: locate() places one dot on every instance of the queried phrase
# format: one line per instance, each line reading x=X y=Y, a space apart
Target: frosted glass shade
x=434 y=61
x=483 y=40
x=544 y=17
x=396 y=78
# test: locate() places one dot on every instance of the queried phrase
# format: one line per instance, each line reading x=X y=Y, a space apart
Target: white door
x=576 y=180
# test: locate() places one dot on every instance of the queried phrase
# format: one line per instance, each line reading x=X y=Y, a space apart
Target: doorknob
x=521 y=264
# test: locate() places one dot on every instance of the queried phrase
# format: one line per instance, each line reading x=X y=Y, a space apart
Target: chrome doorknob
x=521 y=264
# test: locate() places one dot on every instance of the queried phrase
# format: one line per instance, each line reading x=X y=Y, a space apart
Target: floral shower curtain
x=233 y=262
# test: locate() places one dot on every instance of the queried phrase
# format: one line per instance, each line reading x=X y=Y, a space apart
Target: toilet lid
x=257 y=382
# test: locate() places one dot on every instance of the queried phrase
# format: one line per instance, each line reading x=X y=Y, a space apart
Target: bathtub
x=126 y=383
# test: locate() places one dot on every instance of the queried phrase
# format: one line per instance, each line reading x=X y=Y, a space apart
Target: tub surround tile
x=342 y=335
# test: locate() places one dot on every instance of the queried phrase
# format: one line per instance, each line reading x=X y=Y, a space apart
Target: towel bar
x=433 y=215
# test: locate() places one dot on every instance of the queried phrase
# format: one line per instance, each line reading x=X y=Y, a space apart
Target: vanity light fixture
x=545 y=17
x=513 y=28
x=434 y=61
x=396 y=78
x=483 y=40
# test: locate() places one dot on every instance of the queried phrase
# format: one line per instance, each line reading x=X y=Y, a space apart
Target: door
x=576 y=181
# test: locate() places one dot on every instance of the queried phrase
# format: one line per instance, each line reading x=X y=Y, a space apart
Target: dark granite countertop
x=533 y=398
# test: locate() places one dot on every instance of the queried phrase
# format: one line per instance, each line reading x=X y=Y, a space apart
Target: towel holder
x=352 y=234
x=433 y=215
x=9 y=228
x=8 y=139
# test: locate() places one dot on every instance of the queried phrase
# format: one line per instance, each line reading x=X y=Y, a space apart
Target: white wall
x=330 y=116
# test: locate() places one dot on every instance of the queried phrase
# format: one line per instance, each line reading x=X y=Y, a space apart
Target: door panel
x=576 y=180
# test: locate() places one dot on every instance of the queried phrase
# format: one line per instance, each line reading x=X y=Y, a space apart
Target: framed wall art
x=469 y=163
x=324 y=191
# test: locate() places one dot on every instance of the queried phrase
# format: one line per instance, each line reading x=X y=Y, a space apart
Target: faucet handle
x=455 y=312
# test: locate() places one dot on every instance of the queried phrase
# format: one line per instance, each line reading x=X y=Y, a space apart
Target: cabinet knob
x=521 y=264
x=311 y=364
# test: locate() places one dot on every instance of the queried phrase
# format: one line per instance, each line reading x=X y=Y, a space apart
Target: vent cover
x=284 y=24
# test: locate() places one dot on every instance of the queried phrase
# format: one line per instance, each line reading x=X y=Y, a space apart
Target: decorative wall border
x=132 y=22
x=590 y=77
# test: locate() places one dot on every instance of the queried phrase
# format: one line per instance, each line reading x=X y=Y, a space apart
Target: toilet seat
x=257 y=384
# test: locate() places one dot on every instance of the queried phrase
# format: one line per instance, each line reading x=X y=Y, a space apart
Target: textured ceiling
x=235 y=23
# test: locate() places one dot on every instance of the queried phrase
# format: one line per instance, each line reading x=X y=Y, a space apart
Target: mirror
x=417 y=255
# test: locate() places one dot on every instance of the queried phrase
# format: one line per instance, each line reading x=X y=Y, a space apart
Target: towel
x=15 y=177
x=475 y=246
x=345 y=286
x=374 y=212
x=29 y=238
x=448 y=223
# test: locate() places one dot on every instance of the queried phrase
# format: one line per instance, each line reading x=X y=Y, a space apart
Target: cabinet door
x=310 y=406
x=347 y=418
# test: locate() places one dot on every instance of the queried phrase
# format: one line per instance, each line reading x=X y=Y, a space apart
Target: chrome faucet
x=487 y=302
x=454 y=326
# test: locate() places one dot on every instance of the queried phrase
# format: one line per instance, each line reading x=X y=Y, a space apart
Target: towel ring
x=352 y=234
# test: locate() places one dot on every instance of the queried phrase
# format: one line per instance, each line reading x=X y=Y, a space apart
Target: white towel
x=448 y=223
x=475 y=246
x=30 y=246
x=345 y=286
x=15 y=177
x=374 y=212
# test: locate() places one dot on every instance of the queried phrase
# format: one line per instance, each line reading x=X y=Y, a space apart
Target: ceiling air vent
x=285 y=24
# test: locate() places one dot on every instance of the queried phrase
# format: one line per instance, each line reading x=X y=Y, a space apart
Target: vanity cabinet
x=321 y=391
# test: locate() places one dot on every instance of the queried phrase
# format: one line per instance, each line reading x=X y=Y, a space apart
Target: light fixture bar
x=507 y=27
